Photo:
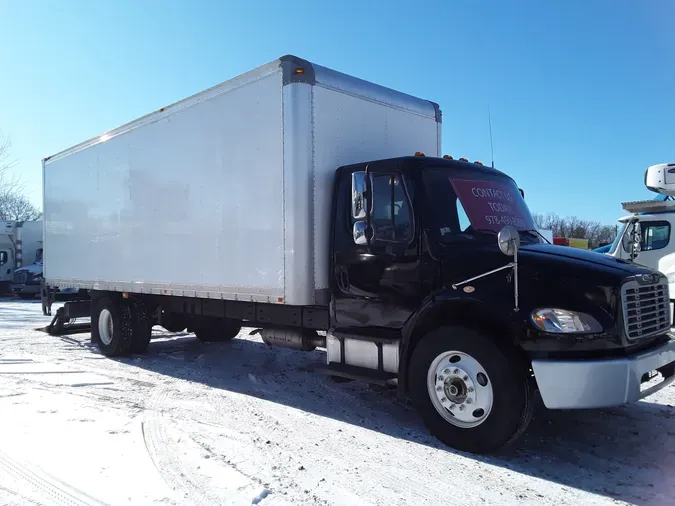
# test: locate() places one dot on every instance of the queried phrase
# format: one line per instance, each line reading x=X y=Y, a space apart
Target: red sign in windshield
x=492 y=205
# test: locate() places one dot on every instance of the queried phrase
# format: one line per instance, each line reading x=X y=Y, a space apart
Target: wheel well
x=472 y=314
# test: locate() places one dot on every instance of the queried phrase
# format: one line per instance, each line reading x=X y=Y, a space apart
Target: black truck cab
x=418 y=260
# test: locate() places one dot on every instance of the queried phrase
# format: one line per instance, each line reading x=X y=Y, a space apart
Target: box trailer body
x=288 y=200
x=225 y=194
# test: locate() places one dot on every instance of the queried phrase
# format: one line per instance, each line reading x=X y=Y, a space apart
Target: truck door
x=5 y=265
x=377 y=283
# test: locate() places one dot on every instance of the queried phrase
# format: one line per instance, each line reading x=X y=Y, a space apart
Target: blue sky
x=582 y=92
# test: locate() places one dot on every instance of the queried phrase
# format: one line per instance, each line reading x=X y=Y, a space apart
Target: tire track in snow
x=163 y=454
x=15 y=494
x=234 y=486
x=56 y=492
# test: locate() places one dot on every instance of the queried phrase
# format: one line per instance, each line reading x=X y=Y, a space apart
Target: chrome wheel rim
x=460 y=389
x=105 y=326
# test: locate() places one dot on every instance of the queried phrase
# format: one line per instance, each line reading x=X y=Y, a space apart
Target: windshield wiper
x=536 y=233
x=481 y=231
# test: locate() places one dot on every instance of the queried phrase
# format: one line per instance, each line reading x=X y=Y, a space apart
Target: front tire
x=472 y=394
x=111 y=327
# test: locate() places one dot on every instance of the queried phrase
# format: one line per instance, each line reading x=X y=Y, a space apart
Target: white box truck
x=316 y=208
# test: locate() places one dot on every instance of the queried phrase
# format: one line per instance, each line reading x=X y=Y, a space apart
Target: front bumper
x=25 y=289
x=581 y=384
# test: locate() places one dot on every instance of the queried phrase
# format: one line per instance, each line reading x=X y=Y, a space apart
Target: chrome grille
x=646 y=309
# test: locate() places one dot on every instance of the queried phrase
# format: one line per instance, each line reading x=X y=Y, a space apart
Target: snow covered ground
x=241 y=423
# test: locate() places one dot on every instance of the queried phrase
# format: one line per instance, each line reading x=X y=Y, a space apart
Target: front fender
x=452 y=307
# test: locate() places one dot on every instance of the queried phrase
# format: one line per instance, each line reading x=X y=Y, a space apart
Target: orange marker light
x=448 y=157
x=463 y=159
x=478 y=163
x=419 y=153
x=299 y=71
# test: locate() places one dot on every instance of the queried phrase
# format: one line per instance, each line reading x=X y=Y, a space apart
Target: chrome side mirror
x=359 y=188
x=508 y=240
x=360 y=230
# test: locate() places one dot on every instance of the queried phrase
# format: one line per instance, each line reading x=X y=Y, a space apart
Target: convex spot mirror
x=508 y=240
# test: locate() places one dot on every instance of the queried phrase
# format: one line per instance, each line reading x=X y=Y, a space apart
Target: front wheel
x=471 y=393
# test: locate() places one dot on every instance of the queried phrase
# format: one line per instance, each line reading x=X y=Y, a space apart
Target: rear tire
x=471 y=393
x=112 y=327
x=216 y=330
x=141 y=323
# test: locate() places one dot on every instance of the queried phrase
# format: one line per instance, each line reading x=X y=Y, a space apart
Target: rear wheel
x=111 y=327
x=471 y=393
x=141 y=323
x=214 y=330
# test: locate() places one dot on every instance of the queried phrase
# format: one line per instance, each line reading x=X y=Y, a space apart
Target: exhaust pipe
x=304 y=340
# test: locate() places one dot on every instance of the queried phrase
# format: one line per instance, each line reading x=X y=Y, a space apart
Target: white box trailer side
x=226 y=194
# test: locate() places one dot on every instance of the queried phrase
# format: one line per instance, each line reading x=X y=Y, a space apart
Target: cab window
x=391 y=217
x=655 y=235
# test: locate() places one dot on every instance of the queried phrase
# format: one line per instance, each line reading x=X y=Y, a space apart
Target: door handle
x=343 y=279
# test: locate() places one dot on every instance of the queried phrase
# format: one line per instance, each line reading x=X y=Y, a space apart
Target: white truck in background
x=20 y=244
x=646 y=234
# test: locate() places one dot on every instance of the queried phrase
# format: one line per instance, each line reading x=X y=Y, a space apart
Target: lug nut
x=469 y=401
x=439 y=389
x=456 y=371
x=452 y=406
x=446 y=371
x=461 y=408
x=441 y=378
x=465 y=378
x=444 y=399
x=470 y=390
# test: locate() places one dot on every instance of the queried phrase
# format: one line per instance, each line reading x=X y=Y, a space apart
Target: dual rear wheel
x=121 y=327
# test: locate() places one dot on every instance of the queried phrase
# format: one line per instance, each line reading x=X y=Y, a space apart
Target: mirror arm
x=512 y=265
x=493 y=271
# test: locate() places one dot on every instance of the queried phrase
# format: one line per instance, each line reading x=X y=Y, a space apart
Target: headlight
x=561 y=321
x=671 y=279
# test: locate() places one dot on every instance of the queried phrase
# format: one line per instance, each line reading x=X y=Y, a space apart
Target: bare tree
x=596 y=233
x=13 y=203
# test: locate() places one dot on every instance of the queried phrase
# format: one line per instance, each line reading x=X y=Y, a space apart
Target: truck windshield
x=464 y=205
x=617 y=239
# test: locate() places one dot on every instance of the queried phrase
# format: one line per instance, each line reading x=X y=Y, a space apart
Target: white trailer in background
x=20 y=244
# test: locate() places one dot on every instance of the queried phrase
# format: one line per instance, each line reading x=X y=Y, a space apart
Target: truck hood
x=33 y=269
x=582 y=256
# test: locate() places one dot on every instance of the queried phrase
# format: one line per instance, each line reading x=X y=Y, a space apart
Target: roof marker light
x=463 y=159
x=419 y=153
x=448 y=157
